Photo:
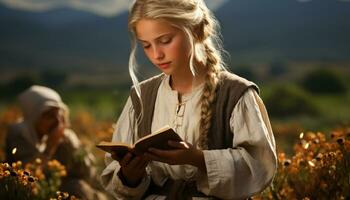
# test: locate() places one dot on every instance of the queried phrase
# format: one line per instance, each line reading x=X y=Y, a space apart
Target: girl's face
x=166 y=46
x=49 y=120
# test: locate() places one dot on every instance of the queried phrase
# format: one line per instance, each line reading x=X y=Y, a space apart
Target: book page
x=158 y=140
x=120 y=149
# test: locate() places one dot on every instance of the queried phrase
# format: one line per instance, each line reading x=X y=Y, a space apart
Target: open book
x=159 y=140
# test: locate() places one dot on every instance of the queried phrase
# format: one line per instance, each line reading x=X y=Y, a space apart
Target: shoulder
x=148 y=87
x=150 y=81
x=228 y=80
x=153 y=79
x=16 y=130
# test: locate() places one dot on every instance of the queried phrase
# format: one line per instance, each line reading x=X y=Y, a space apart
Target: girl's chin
x=167 y=71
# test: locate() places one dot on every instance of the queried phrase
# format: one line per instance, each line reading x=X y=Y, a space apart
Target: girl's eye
x=146 y=46
x=165 y=40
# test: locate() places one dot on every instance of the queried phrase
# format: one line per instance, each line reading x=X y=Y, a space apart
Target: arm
x=238 y=172
x=109 y=177
x=249 y=166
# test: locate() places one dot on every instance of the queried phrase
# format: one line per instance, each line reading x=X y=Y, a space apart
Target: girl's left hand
x=183 y=153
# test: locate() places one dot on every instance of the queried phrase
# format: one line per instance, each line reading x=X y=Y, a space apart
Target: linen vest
x=229 y=90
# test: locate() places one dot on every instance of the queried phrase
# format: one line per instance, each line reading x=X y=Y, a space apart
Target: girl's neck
x=183 y=83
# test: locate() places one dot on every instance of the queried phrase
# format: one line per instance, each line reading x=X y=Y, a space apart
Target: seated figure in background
x=44 y=133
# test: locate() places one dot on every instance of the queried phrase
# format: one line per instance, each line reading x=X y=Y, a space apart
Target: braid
x=208 y=96
x=202 y=29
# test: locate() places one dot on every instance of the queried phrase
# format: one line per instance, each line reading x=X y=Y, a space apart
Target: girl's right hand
x=133 y=169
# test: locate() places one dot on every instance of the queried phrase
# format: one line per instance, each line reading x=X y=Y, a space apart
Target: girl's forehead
x=150 y=29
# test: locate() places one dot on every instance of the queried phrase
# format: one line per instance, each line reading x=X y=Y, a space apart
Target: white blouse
x=233 y=173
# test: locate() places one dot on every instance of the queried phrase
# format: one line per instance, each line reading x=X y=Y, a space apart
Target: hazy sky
x=100 y=7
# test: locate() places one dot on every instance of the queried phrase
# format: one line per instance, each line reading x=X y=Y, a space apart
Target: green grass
x=103 y=104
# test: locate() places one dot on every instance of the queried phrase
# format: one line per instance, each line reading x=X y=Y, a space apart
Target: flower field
x=318 y=167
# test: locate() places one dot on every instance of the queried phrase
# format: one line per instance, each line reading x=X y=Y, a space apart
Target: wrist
x=199 y=161
x=126 y=182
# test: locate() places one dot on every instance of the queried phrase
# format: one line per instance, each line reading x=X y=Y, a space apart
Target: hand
x=133 y=169
x=185 y=153
x=54 y=138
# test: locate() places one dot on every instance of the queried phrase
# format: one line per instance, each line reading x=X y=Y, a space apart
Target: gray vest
x=229 y=90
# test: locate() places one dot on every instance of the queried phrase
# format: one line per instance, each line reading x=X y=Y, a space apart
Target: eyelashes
x=166 y=40
x=162 y=41
x=146 y=46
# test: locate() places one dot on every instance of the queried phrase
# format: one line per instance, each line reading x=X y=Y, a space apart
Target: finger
x=146 y=159
x=163 y=153
x=179 y=145
x=126 y=160
x=154 y=157
x=134 y=162
x=143 y=163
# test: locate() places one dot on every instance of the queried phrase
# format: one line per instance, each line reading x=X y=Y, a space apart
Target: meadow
x=311 y=127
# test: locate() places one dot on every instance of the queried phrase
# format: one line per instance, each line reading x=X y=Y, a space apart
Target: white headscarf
x=38 y=99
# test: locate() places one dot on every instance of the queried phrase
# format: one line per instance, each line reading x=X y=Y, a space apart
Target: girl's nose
x=158 y=53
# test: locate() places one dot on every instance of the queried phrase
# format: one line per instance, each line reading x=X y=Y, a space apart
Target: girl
x=229 y=151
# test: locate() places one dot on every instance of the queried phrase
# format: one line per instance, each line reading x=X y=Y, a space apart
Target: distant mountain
x=253 y=31
x=62 y=38
x=289 y=29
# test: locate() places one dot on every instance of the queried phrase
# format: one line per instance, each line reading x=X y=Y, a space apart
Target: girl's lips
x=164 y=65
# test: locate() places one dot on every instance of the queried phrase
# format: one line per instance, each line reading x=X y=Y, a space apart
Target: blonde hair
x=200 y=26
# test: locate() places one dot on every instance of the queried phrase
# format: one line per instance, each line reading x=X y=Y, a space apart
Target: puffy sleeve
x=110 y=180
x=249 y=166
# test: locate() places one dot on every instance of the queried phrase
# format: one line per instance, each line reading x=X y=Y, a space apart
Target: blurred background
x=297 y=51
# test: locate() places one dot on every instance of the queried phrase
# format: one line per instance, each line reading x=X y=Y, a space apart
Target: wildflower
x=302 y=163
x=31 y=179
x=14 y=165
x=6 y=165
x=63 y=173
x=319 y=157
x=26 y=173
x=333 y=135
x=281 y=156
x=38 y=161
x=13 y=173
x=286 y=163
x=340 y=141
x=348 y=135
x=65 y=195
x=6 y=173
